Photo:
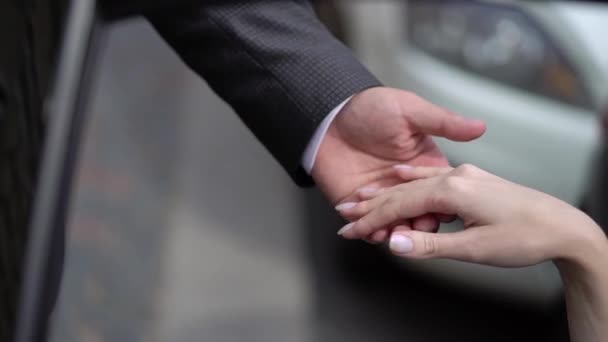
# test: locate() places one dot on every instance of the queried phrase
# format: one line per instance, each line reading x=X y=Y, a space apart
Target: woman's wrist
x=585 y=277
x=585 y=255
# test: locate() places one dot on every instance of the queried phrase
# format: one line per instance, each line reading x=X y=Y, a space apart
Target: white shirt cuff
x=310 y=154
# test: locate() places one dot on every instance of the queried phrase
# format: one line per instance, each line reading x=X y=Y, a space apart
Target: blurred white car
x=535 y=72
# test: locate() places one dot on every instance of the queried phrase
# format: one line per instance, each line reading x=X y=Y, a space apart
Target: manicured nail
x=346 y=228
x=368 y=190
x=401 y=244
x=346 y=206
x=402 y=167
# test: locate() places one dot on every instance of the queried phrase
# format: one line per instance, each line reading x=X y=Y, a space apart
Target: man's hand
x=379 y=128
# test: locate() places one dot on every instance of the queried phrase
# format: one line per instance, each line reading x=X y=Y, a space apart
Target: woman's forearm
x=585 y=278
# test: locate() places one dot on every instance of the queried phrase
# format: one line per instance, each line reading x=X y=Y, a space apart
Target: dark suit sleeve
x=273 y=61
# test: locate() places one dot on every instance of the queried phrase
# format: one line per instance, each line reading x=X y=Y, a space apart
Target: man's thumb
x=442 y=123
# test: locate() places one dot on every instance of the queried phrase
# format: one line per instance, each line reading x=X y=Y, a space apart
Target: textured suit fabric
x=273 y=61
x=116 y=9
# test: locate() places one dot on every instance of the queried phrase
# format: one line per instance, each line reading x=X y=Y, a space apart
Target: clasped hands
x=381 y=168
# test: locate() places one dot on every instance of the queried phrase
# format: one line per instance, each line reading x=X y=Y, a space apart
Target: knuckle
x=391 y=105
x=395 y=209
x=450 y=190
x=467 y=170
x=438 y=200
x=401 y=209
x=389 y=202
x=404 y=143
x=430 y=246
x=453 y=183
x=399 y=206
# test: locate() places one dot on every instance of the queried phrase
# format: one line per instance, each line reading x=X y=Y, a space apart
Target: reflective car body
x=535 y=72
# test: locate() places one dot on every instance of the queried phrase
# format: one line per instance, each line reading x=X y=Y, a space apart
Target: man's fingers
x=426 y=223
x=462 y=245
x=439 y=122
x=404 y=226
x=382 y=235
x=379 y=236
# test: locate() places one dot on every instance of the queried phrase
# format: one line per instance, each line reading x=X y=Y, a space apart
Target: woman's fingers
x=369 y=192
x=405 y=173
x=363 y=194
x=408 y=173
x=405 y=202
x=382 y=207
x=427 y=223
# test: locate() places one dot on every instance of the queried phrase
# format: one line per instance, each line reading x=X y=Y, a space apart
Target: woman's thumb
x=423 y=245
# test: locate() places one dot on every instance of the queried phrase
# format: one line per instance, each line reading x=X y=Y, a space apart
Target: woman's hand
x=506 y=224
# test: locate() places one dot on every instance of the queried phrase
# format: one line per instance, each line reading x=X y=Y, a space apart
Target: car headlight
x=497 y=41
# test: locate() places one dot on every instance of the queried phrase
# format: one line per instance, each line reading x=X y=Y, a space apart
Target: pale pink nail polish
x=346 y=206
x=401 y=244
x=402 y=167
x=346 y=228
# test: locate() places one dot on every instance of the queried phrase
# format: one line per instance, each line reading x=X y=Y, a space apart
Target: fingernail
x=368 y=190
x=346 y=228
x=402 y=167
x=345 y=206
x=401 y=244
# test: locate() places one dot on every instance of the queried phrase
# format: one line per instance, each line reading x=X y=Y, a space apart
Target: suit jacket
x=273 y=61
